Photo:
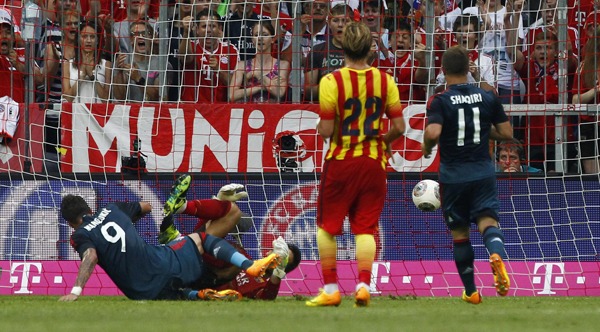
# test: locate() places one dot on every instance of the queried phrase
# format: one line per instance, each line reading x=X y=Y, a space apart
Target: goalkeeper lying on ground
x=219 y=216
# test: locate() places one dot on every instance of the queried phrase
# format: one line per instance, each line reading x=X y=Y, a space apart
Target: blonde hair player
x=353 y=182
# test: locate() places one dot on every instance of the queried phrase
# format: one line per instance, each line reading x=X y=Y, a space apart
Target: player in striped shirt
x=353 y=182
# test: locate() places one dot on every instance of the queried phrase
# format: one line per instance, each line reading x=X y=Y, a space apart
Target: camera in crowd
x=288 y=151
x=136 y=164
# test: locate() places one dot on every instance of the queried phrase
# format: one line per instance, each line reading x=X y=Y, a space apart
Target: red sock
x=364 y=276
x=330 y=276
x=209 y=209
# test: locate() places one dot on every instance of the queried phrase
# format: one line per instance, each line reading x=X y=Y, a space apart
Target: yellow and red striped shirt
x=357 y=100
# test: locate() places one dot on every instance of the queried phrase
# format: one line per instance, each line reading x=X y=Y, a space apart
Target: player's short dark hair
x=73 y=207
x=456 y=61
x=297 y=258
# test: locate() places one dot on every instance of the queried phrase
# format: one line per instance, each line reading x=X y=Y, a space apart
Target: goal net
x=112 y=103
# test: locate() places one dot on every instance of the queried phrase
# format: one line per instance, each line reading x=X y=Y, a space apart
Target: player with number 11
x=463 y=119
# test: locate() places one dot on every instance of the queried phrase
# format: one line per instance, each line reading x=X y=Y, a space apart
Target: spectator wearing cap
x=12 y=63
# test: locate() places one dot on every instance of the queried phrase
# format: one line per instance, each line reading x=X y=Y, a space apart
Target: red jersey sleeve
x=268 y=292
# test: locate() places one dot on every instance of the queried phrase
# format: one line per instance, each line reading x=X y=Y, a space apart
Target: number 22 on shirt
x=370 y=122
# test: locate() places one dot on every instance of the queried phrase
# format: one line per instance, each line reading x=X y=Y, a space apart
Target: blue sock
x=189 y=294
x=464 y=257
x=222 y=250
x=494 y=241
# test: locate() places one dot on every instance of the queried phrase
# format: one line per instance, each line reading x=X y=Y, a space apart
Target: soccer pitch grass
x=116 y=314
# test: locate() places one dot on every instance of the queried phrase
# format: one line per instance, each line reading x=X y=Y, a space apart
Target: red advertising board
x=15 y=152
x=208 y=138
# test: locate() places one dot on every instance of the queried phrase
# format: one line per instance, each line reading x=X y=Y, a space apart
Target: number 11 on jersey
x=462 y=126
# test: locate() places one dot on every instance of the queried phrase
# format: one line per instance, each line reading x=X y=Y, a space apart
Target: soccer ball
x=426 y=195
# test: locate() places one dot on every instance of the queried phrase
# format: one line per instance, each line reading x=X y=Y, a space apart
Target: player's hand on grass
x=229 y=193
x=68 y=298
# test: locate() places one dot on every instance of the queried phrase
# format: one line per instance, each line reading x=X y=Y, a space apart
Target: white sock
x=362 y=284
x=330 y=288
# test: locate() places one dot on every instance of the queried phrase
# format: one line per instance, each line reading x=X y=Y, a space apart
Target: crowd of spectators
x=238 y=51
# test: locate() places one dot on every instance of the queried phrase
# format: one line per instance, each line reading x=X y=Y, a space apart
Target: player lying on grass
x=463 y=119
x=221 y=275
x=141 y=271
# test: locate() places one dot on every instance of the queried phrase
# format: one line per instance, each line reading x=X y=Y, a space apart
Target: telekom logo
x=24 y=276
x=548 y=275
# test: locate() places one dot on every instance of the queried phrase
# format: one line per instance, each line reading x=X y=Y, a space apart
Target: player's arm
x=328 y=96
x=435 y=121
x=501 y=131
x=88 y=263
x=146 y=208
x=501 y=128
x=270 y=291
x=135 y=210
x=431 y=138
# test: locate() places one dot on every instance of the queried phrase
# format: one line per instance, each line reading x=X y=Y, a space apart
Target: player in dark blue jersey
x=463 y=119
x=142 y=271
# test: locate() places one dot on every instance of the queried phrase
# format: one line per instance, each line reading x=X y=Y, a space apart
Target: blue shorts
x=186 y=267
x=464 y=202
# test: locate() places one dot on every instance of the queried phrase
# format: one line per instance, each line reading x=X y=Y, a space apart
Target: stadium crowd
x=241 y=51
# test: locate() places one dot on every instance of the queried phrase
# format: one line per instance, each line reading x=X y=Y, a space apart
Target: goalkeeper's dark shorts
x=355 y=188
x=463 y=203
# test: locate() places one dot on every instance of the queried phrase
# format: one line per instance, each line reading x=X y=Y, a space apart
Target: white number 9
x=113 y=239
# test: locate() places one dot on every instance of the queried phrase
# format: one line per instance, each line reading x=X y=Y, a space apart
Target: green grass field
x=116 y=314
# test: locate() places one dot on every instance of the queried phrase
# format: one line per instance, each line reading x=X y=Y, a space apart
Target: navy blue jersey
x=466 y=114
x=140 y=270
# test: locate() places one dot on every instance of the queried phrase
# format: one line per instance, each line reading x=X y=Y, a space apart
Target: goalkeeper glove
x=281 y=248
x=229 y=193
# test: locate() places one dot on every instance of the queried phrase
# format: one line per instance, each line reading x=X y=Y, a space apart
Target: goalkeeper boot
x=260 y=267
x=501 y=281
x=475 y=298
x=227 y=295
x=362 y=298
x=168 y=235
x=177 y=197
x=325 y=300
